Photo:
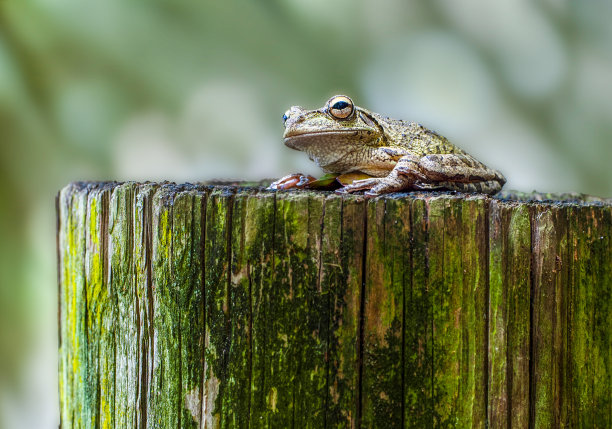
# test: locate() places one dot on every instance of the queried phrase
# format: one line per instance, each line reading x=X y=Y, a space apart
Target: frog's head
x=332 y=132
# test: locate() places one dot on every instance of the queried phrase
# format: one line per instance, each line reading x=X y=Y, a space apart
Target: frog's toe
x=389 y=184
x=360 y=185
x=291 y=181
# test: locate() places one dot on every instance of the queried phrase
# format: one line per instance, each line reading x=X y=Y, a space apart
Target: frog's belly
x=372 y=169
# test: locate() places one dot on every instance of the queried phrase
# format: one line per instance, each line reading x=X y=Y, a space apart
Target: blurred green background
x=193 y=90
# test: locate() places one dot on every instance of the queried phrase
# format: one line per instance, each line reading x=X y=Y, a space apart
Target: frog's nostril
x=285 y=117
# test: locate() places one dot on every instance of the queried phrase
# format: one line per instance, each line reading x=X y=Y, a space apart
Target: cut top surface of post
x=562 y=198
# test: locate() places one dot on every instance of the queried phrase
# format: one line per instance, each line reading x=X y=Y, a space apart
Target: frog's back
x=419 y=140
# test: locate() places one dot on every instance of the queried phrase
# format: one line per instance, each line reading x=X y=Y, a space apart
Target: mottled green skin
x=197 y=306
x=342 y=146
x=398 y=155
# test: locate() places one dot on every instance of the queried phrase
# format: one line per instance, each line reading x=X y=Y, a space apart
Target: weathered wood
x=387 y=262
x=342 y=271
x=231 y=307
x=509 y=314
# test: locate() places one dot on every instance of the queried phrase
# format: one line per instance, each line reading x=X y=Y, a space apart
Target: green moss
x=258 y=249
x=474 y=301
x=588 y=317
x=341 y=271
x=498 y=317
x=517 y=275
x=236 y=397
x=387 y=265
x=217 y=299
x=418 y=334
x=296 y=314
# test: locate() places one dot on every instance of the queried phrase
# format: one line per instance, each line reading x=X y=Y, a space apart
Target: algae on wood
x=548 y=323
x=221 y=306
x=386 y=272
x=418 y=333
x=509 y=314
x=342 y=272
x=588 y=384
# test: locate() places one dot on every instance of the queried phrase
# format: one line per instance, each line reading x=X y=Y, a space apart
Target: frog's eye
x=340 y=107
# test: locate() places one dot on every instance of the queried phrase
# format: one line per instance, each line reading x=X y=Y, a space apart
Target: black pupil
x=339 y=105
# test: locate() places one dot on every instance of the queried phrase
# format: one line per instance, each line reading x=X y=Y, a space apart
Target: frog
x=385 y=155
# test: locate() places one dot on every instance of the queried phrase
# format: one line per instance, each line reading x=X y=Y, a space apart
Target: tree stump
x=237 y=307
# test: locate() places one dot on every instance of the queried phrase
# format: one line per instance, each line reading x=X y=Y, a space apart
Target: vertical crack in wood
x=203 y=206
x=86 y=327
x=228 y=292
x=175 y=288
x=505 y=237
x=266 y=298
x=83 y=364
x=430 y=311
x=327 y=348
x=568 y=318
x=487 y=232
x=250 y=344
x=130 y=245
x=142 y=330
x=362 y=317
x=532 y=221
x=405 y=288
x=139 y=335
x=149 y=356
x=105 y=282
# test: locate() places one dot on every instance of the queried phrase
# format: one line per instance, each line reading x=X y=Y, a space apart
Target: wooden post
x=233 y=307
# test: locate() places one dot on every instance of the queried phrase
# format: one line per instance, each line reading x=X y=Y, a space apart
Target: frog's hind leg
x=457 y=172
x=457 y=167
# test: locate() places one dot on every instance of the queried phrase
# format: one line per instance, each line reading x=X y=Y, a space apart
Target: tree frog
x=384 y=154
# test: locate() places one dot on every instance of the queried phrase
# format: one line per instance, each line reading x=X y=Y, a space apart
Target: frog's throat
x=302 y=137
x=331 y=148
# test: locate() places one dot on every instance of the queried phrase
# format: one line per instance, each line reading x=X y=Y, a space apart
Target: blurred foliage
x=186 y=90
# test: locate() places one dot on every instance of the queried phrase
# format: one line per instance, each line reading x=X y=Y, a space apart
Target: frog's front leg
x=403 y=176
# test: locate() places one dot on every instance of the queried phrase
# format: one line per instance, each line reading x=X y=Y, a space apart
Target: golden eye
x=340 y=107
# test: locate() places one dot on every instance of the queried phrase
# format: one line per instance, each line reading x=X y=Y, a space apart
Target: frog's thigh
x=454 y=167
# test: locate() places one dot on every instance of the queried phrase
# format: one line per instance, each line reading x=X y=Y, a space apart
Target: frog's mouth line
x=322 y=133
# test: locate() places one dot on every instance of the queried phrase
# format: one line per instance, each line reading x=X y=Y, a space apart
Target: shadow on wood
x=225 y=306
